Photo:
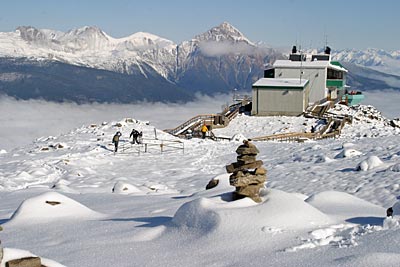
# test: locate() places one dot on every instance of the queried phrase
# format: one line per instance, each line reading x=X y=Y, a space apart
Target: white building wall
x=267 y=102
x=316 y=77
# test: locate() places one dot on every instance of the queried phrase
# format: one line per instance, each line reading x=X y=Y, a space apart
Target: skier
x=115 y=140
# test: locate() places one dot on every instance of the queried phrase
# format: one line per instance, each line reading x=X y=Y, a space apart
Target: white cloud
x=213 y=48
x=386 y=101
x=22 y=121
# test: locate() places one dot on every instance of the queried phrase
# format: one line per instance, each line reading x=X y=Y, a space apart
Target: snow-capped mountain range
x=218 y=60
x=92 y=47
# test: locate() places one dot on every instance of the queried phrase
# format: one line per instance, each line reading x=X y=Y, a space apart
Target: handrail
x=175 y=130
x=321 y=134
x=193 y=123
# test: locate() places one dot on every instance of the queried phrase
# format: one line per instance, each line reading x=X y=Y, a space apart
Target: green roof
x=337 y=63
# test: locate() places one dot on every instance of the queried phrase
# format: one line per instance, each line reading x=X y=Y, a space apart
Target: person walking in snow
x=204 y=130
x=115 y=140
x=135 y=134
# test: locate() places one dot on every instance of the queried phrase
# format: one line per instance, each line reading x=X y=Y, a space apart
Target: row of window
x=334 y=75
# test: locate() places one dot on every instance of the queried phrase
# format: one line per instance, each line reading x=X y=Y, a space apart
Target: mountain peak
x=29 y=33
x=223 y=32
x=86 y=31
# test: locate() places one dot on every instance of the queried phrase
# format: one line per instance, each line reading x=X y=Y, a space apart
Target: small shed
x=280 y=96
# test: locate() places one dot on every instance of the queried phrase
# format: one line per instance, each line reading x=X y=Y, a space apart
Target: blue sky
x=347 y=24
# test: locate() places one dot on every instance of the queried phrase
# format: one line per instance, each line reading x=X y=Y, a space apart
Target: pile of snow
x=238 y=138
x=323 y=159
x=367 y=122
x=50 y=206
x=63 y=186
x=344 y=205
x=362 y=113
x=370 y=163
x=348 y=153
x=347 y=145
x=279 y=210
x=125 y=188
x=395 y=167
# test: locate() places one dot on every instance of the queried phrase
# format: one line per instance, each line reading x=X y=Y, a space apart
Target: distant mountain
x=58 y=81
x=366 y=79
x=86 y=64
x=376 y=59
x=220 y=60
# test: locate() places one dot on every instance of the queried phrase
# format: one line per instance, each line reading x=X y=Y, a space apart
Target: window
x=334 y=75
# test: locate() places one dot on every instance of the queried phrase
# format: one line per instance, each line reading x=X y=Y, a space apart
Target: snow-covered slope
x=156 y=211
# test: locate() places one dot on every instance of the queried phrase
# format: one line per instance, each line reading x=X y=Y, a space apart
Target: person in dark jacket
x=115 y=140
x=135 y=134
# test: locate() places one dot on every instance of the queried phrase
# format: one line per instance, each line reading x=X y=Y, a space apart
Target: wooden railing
x=332 y=129
x=192 y=124
x=195 y=123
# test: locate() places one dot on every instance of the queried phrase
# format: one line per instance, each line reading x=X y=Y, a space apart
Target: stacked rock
x=248 y=174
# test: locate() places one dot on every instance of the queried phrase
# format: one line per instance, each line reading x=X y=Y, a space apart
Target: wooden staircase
x=211 y=120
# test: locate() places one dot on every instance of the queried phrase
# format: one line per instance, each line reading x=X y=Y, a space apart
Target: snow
x=370 y=163
x=79 y=204
x=11 y=254
x=281 y=82
x=48 y=207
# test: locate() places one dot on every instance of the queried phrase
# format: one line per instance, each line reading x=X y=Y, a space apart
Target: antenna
x=301 y=62
x=326 y=40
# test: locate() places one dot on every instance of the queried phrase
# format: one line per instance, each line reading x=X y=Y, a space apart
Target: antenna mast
x=301 y=62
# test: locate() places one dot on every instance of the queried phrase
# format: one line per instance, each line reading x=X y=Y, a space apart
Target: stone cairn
x=248 y=174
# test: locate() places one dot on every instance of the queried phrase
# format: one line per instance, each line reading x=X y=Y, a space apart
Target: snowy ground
x=324 y=204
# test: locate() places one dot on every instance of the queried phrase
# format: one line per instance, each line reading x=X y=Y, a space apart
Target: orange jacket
x=204 y=129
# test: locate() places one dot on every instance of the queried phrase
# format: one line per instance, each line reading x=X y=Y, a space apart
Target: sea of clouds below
x=22 y=121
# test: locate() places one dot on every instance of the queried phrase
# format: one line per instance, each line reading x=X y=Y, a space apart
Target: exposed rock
x=395 y=123
x=251 y=191
x=241 y=179
x=246 y=150
x=261 y=171
x=118 y=124
x=53 y=203
x=246 y=159
x=239 y=166
x=1 y=254
x=213 y=183
x=25 y=262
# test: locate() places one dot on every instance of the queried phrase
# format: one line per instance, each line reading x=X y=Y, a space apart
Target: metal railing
x=147 y=144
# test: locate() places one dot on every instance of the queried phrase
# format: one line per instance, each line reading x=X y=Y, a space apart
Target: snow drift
x=278 y=210
x=49 y=207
